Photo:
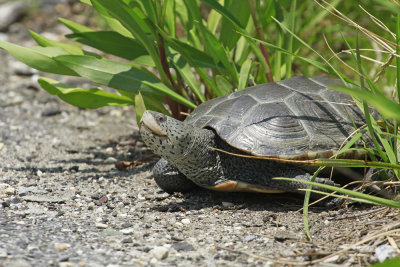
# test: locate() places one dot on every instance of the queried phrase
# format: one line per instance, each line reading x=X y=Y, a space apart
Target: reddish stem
x=260 y=35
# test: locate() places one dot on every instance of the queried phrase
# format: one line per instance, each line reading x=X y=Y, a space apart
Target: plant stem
x=260 y=36
x=164 y=63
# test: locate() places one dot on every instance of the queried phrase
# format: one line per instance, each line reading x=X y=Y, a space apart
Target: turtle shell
x=298 y=118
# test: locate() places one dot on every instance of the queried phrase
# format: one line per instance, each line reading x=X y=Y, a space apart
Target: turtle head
x=174 y=140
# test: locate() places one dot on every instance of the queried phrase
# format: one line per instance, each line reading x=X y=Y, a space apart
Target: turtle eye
x=161 y=118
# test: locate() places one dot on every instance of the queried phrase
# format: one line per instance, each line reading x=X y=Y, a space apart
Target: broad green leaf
x=192 y=7
x=228 y=35
x=115 y=44
x=39 y=58
x=84 y=98
x=184 y=69
x=45 y=42
x=194 y=56
x=218 y=52
x=217 y=6
x=114 y=23
x=120 y=76
x=143 y=103
x=140 y=107
x=209 y=83
x=75 y=27
x=134 y=21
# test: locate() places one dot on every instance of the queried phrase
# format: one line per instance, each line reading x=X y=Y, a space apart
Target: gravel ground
x=63 y=202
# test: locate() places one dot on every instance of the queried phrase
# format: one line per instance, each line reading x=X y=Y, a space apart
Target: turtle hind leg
x=170 y=179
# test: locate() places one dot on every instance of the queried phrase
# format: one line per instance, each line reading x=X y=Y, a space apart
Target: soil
x=63 y=202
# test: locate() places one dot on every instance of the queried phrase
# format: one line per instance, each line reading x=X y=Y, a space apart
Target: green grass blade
x=40 y=58
x=244 y=74
x=84 y=98
x=223 y=84
x=289 y=39
x=170 y=20
x=333 y=70
x=373 y=199
x=386 y=107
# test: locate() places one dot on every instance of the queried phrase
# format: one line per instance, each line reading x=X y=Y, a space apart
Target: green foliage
x=179 y=53
x=388 y=263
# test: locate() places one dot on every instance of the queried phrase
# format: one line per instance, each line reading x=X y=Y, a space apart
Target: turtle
x=295 y=119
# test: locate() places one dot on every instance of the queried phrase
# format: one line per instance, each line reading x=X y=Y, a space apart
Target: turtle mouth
x=149 y=123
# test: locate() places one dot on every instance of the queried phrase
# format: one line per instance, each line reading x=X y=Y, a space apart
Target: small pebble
x=178 y=224
x=3 y=253
x=10 y=191
x=227 y=204
x=61 y=246
x=74 y=168
x=183 y=246
x=185 y=221
x=160 y=252
x=126 y=225
x=111 y=160
x=10 y=12
x=153 y=261
x=101 y=225
x=97 y=196
x=127 y=231
x=23 y=191
x=127 y=240
x=249 y=238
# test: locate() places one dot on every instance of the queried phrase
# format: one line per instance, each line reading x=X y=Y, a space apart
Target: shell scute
x=297 y=118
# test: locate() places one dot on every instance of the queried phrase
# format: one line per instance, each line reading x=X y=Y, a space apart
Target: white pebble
x=61 y=246
x=10 y=191
x=185 y=221
x=160 y=252
x=127 y=231
x=101 y=225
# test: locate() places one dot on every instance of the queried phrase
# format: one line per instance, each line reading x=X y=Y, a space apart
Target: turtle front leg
x=170 y=179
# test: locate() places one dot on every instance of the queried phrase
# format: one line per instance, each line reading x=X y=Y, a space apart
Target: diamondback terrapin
x=298 y=118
